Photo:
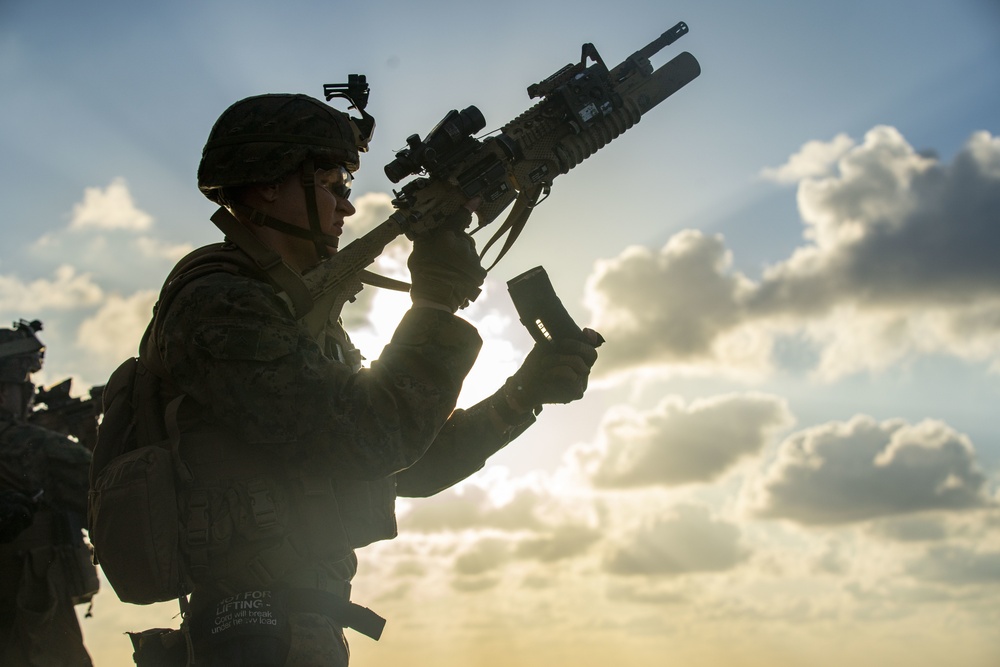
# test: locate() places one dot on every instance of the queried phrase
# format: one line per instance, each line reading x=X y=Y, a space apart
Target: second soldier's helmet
x=263 y=138
x=21 y=352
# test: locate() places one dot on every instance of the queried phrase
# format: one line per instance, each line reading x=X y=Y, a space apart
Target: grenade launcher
x=583 y=107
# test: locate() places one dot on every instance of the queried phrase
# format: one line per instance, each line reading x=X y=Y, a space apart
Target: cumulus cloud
x=473 y=506
x=66 y=290
x=676 y=443
x=560 y=543
x=894 y=228
x=899 y=261
x=639 y=592
x=689 y=542
x=492 y=521
x=681 y=305
x=372 y=208
x=832 y=560
x=814 y=159
x=110 y=208
x=113 y=332
x=918 y=528
x=482 y=557
x=111 y=238
x=152 y=248
x=956 y=566
x=844 y=472
x=494 y=500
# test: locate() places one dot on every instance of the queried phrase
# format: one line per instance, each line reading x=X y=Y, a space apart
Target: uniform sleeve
x=229 y=343
x=468 y=438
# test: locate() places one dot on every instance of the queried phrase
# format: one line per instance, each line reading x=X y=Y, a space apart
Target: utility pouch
x=134 y=522
x=132 y=511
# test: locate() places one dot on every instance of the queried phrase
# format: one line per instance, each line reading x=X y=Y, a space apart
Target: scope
x=449 y=138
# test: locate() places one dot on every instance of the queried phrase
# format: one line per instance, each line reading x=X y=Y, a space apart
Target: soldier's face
x=333 y=187
x=289 y=205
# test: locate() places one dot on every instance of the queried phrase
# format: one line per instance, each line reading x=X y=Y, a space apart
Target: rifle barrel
x=666 y=39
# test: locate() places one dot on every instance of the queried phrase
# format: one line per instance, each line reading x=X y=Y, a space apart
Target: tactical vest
x=177 y=501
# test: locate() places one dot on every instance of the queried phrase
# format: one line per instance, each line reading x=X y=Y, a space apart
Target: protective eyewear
x=337 y=180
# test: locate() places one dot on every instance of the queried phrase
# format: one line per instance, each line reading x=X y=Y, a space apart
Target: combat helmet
x=263 y=138
x=21 y=352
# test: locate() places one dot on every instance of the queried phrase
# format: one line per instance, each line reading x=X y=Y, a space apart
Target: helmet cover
x=21 y=352
x=260 y=139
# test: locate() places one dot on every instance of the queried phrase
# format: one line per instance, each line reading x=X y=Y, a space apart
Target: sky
x=787 y=454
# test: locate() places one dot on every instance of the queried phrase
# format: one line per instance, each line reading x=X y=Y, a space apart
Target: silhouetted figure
x=45 y=566
x=291 y=453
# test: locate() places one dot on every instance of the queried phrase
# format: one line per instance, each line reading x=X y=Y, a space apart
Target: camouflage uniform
x=46 y=569
x=274 y=419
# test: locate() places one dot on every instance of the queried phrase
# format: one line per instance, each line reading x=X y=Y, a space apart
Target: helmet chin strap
x=263 y=219
x=321 y=240
x=307 y=174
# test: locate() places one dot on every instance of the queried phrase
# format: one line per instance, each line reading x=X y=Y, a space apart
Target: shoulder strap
x=267 y=260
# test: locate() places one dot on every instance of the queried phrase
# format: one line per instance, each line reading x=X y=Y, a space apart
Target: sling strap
x=515 y=221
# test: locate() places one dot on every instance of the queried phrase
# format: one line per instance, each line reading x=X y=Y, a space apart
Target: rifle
x=583 y=107
x=65 y=414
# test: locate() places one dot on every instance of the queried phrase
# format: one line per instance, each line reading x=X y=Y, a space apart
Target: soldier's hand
x=445 y=269
x=16 y=512
x=554 y=372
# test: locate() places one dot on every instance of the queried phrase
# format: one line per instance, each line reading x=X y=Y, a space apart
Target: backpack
x=132 y=514
x=137 y=476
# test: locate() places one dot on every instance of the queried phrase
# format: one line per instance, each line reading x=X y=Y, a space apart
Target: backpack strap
x=225 y=257
x=266 y=259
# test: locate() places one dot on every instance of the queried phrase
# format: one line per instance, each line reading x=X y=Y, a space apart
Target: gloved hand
x=553 y=372
x=16 y=512
x=445 y=270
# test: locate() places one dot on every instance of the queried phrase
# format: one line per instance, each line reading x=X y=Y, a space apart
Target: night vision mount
x=356 y=92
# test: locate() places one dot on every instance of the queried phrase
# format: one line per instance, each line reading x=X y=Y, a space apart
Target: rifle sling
x=518 y=217
x=375 y=280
